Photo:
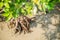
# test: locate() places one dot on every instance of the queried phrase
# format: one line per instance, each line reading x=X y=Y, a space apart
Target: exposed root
x=22 y=23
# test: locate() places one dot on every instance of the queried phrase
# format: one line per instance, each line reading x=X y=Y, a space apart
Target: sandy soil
x=42 y=30
x=8 y=34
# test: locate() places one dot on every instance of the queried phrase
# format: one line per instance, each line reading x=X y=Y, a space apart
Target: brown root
x=22 y=23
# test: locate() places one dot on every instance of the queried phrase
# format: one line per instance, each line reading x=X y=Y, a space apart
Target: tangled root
x=22 y=23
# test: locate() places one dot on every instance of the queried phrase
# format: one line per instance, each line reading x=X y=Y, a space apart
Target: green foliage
x=1 y=4
x=14 y=8
x=44 y=5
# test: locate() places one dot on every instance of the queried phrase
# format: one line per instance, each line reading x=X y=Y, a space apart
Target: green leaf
x=6 y=5
x=9 y=17
x=6 y=1
x=6 y=9
x=5 y=14
x=15 y=13
x=1 y=4
x=50 y=6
